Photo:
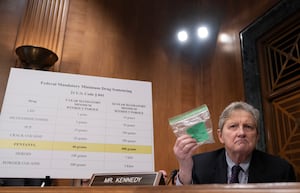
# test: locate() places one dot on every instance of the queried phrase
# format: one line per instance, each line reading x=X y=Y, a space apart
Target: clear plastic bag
x=196 y=123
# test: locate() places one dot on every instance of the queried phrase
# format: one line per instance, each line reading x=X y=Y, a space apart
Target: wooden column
x=44 y=24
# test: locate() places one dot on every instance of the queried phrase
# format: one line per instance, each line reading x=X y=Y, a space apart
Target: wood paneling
x=135 y=40
x=279 y=62
x=10 y=15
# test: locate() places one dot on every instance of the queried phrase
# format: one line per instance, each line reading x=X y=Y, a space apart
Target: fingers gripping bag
x=196 y=123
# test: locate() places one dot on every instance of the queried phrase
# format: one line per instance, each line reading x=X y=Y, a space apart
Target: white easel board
x=71 y=126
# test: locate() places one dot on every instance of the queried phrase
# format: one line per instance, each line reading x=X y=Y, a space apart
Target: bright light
x=202 y=32
x=225 y=38
x=182 y=36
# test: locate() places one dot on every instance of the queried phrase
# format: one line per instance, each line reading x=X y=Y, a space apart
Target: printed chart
x=71 y=126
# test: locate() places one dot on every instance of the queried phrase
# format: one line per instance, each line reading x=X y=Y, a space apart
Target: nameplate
x=151 y=178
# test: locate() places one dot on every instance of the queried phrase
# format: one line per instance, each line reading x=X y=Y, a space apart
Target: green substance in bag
x=198 y=132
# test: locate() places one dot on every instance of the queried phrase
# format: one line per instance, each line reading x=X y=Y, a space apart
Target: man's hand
x=183 y=149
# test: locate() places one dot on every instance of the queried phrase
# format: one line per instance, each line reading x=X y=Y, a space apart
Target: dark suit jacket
x=211 y=167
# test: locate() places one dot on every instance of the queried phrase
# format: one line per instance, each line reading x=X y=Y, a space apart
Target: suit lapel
x=256 y=169
x=220 y=172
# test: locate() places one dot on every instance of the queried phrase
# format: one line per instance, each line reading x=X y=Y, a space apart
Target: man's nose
x=241 y=130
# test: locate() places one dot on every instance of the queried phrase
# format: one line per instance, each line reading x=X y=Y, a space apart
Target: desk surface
x=214 y=188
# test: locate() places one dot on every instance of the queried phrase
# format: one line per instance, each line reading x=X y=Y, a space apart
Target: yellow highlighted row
x=73 y=146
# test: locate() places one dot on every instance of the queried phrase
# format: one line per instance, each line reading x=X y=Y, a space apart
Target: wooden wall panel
x=279 y=63
x=135 y=40
x=10 y=15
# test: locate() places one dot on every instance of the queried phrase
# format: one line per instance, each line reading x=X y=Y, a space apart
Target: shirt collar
x=244 y=165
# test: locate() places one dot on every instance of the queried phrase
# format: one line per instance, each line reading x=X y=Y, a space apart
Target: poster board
x=72 y=126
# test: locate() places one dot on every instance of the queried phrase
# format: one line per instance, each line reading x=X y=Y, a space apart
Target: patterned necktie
x=235 y=170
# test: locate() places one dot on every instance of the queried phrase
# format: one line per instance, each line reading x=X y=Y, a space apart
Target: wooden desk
x=215 y=188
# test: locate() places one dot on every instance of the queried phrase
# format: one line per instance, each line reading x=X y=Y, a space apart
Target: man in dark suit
x=238 y=161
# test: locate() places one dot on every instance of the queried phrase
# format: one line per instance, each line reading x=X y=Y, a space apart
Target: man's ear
x=219 y=132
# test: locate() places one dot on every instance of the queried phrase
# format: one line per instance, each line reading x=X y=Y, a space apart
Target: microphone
x=172 y=177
